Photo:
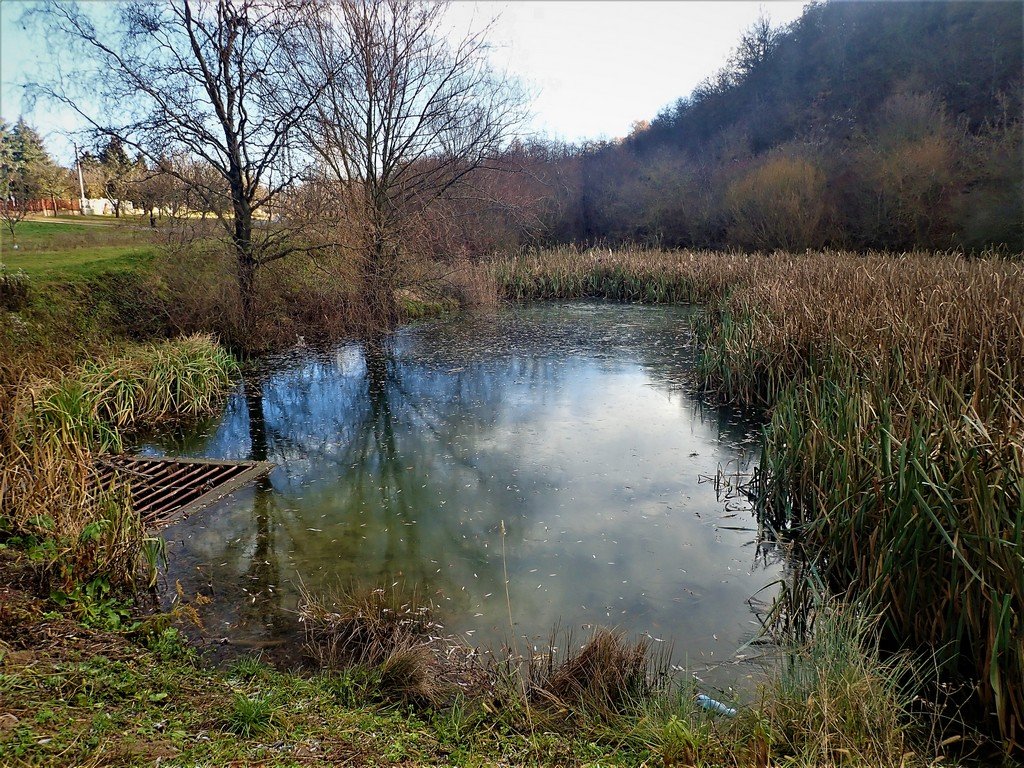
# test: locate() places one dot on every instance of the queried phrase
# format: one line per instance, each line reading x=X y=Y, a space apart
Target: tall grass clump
x=915 y=501
x=896 y=445
x=832 y=699
x=608 y=676
x=631 y=275
x=838 y=699
x=387 y=638
x=14 y=289
x=99 y=400
x=50 y=495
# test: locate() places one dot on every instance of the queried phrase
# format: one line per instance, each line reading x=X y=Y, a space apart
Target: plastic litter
x=715 y=706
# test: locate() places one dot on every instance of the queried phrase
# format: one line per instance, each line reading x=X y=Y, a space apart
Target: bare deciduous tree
x=113 y=173
x=155 y=187
x=200 y=77
x=756 y=44
x=403 y=115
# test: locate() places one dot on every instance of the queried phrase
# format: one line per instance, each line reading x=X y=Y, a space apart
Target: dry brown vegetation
x=314 y=298
x=832 y=700
x=75 y=529
x=606 y=676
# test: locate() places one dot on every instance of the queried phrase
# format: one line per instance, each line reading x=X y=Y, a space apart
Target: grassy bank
x=87 y=282
x=895 y=452
x=76 y=531
x=75 y=695
x=68 y=248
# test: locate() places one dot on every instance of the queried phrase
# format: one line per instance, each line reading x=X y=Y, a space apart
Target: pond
x=571 y=427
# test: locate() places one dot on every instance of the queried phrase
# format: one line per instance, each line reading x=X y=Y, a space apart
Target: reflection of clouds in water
x=569 y=423
x=621 y=519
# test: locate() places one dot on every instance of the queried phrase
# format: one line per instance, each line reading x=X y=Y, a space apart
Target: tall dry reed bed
x=895 y=449
x=51 y=429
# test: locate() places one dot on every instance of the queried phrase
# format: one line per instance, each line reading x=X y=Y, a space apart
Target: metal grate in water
x=166 y=490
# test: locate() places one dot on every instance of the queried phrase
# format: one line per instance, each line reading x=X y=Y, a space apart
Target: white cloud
x=598 y=66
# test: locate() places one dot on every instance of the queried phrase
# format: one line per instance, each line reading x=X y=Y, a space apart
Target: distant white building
x=101 y=206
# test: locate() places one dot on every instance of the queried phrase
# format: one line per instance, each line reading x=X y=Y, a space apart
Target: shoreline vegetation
x=893 y=457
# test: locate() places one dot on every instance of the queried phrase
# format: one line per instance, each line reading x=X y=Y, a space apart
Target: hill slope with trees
x=869 y=125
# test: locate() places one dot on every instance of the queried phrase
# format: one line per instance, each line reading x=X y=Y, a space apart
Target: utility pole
x=81 y=184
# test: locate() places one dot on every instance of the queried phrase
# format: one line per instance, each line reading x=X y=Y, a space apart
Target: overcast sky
x=598 y=66
x=594 y=67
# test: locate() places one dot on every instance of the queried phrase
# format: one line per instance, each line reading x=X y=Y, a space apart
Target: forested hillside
x=862 y=124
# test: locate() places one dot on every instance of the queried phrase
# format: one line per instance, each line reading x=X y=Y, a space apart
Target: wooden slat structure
x=167 y=490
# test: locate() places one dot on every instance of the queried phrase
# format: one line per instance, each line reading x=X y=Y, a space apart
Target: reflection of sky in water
x=571 y=423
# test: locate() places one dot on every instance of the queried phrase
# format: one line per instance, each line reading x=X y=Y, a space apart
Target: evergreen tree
x=117 y=173
x=25 y=172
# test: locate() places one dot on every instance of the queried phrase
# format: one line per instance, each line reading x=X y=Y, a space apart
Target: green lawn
x=79 y=262
x=68 y=248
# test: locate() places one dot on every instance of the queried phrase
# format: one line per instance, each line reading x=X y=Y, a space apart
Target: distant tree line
x=31 y=180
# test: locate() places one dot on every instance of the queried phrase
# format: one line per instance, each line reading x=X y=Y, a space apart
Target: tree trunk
x=246 y=289
x=246 y=264
x=378 y=286
x=152 y=217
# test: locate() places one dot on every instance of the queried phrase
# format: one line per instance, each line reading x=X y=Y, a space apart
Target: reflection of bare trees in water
x=391 y=479
x=341 y=436
x=388 y=484
x=396 y=458
x=262 y=578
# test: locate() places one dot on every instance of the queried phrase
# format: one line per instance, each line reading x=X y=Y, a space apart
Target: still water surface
x=574 y=424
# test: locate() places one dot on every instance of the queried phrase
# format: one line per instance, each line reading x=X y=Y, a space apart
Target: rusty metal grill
x=165 y=490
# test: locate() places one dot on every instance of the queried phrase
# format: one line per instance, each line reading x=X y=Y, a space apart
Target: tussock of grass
x=252 y=715
x=95 y=403
x=839 y=697
x=605 y=677
x=14 y=288
x=832 y=700
x=363 y=626
x=380 y=630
